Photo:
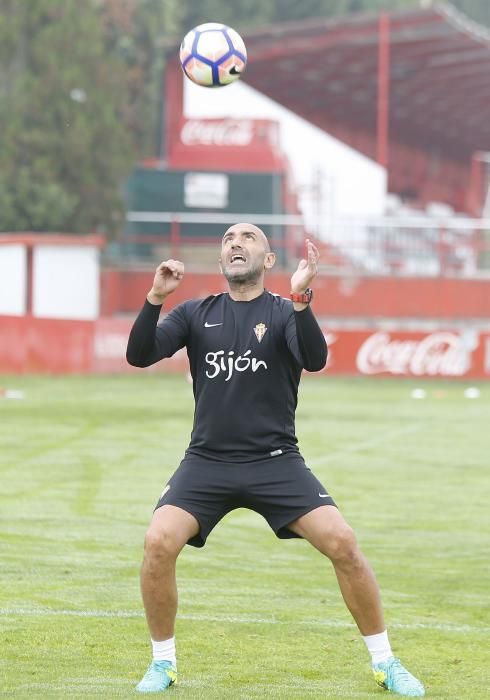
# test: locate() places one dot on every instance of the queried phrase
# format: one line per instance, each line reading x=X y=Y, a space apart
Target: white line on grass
x=359 y=446
x=236 y=619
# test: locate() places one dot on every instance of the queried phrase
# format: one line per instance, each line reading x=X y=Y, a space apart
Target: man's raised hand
x=168 y=276
x=307 y=269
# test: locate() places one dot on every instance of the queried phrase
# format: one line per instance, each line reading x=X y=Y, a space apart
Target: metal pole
x=174 y=238
x=383 y=106
x=173 y=107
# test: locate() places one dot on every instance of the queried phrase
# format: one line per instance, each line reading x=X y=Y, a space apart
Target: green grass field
x=82 y=462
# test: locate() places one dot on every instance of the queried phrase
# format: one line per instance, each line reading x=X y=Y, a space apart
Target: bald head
x=242 y=228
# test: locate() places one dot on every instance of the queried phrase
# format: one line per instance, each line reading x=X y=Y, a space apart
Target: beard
x=235 y=276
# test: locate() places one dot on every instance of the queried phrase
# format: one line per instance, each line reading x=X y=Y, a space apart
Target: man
x=247 y=349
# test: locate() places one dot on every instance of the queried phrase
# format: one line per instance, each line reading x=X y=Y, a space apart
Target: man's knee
x=341 y=546
x=169 y=530
x=161 y=543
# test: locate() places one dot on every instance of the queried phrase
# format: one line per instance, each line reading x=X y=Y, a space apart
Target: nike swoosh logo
x=211 y=325
x=324 y=495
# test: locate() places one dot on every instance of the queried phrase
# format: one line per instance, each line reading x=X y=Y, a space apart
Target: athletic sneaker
x=393 y=676
x=160 y=676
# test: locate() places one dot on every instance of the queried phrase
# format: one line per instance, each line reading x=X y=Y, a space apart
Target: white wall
x=13 y=280
x=351 y=184
x=66 y=282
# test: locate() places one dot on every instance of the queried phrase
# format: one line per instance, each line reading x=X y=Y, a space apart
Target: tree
x=239 y=15
x=64 y=150
x=137 y=32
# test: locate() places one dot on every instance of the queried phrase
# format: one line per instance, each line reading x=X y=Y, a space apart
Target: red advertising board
x=44 y=345
x=227 y=144
x=109 y=350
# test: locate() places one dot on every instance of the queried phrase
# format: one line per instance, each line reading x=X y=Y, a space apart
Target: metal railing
x=402 y=246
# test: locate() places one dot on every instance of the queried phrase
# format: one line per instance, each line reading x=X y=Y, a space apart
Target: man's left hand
x=307 y=269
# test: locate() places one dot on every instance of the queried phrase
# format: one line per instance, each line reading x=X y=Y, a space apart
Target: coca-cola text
x=443 y=353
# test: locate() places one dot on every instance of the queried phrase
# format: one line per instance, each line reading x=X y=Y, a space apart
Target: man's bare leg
x=169 y=530
x=326 y=529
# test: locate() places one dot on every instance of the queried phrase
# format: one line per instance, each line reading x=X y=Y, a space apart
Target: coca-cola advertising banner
x=227 y=144
x=411 y=354
x=228 y=132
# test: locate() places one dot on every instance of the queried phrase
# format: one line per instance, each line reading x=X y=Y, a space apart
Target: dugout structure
x=49 y=301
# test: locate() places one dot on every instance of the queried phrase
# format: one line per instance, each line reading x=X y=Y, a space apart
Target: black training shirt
x=245 y=360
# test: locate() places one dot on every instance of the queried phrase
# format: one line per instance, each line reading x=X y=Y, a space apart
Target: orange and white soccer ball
x=213 y=55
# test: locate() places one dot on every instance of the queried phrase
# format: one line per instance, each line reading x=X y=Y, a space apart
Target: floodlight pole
x=383 y=106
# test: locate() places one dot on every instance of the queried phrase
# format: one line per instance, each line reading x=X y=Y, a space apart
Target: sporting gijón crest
x=260 y=330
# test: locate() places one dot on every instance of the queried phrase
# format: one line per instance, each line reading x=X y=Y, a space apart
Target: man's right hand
x=167 y=278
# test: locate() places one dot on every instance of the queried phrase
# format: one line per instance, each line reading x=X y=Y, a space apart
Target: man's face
x=245 y=254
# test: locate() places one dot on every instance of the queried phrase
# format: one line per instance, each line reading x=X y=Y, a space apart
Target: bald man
x=247 y=349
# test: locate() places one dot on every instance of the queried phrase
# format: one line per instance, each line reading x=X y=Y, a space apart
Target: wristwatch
x=303 y=298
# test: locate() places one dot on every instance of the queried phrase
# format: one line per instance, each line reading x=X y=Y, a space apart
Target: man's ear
x=269 y=261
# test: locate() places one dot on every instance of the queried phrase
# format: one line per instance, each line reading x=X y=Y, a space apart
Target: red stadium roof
x=326 y=70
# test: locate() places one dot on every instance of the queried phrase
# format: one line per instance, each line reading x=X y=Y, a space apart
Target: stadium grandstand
x=409 y=89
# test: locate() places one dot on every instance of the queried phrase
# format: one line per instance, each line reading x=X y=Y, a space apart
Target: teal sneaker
x=391 y=675
x=160 y=676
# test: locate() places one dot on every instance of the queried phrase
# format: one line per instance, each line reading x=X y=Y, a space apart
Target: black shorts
x=280 y=488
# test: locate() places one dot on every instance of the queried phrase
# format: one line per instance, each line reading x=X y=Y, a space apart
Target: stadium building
x=370 y=133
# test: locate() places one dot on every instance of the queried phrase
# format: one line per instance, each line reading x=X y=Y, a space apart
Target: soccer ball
x=213 y=55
